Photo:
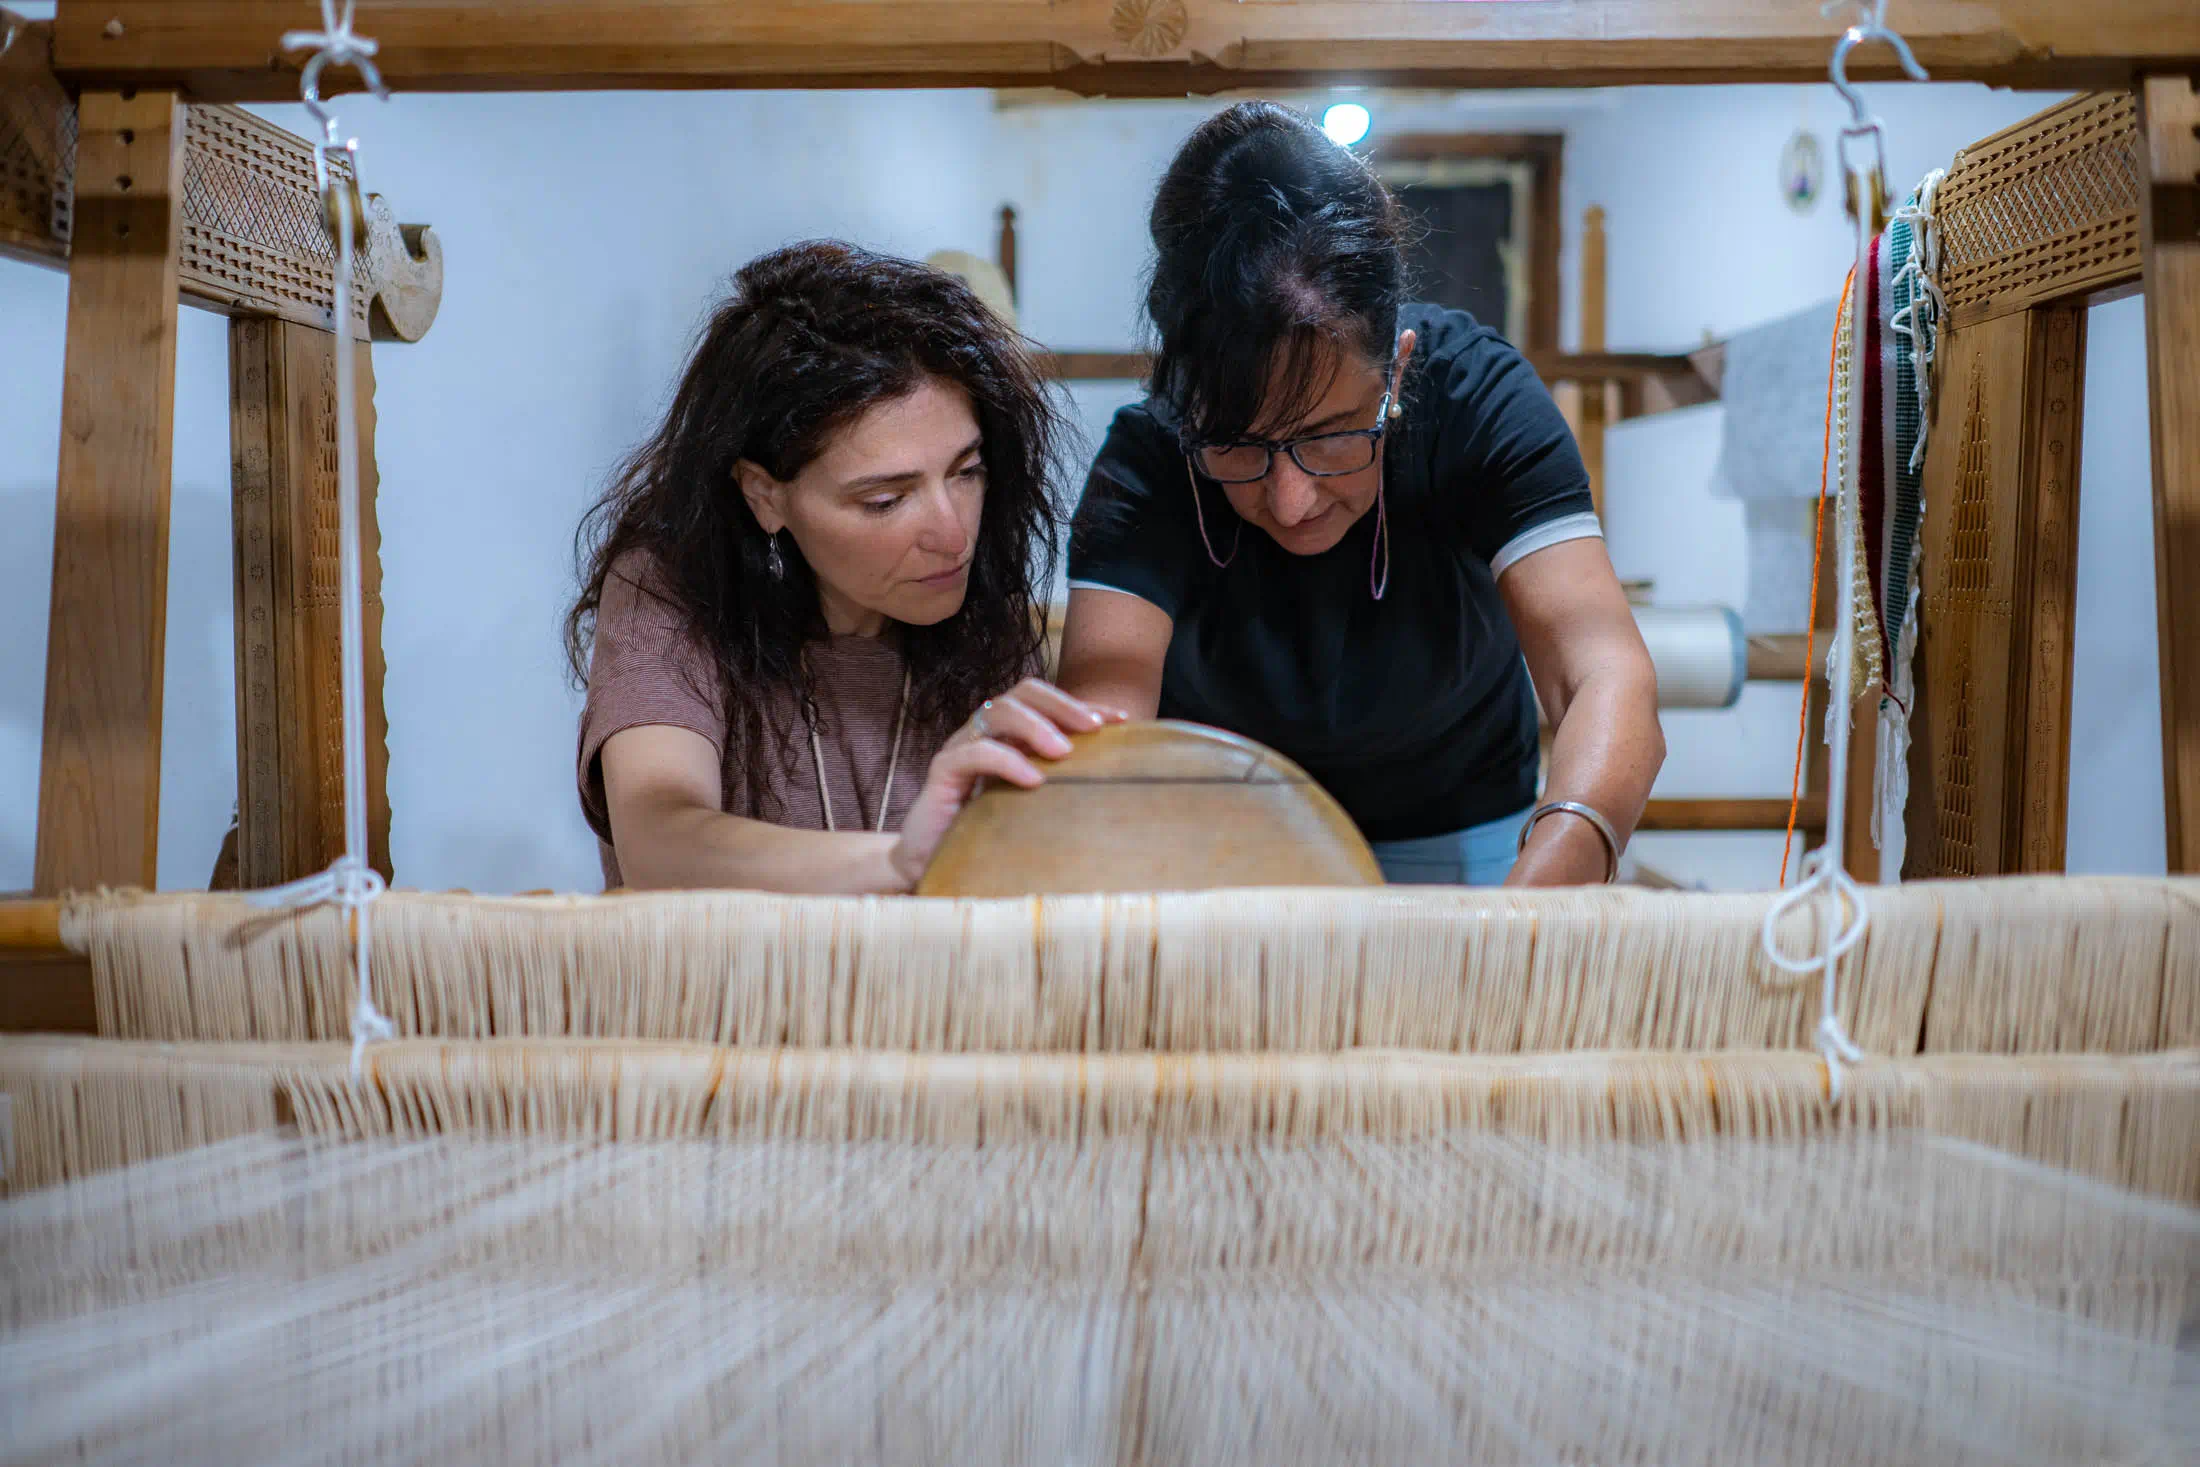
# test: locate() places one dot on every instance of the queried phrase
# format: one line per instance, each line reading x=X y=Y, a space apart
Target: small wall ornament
x=1802 y=171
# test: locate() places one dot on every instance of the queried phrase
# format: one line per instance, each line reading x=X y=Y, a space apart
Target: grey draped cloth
x=1770 y=453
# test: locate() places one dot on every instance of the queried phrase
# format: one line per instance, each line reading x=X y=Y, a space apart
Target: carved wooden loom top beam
x=252 y=241
x=226 y=50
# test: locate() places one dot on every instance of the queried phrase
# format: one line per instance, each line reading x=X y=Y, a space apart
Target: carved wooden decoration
x=252 y=240
x=2039 y=219
x=1153 y=807
x=1150 y=28
x=255 y=242
x=2042 y=210
x=290 y=790
x=37 y=145
x=1998 y=572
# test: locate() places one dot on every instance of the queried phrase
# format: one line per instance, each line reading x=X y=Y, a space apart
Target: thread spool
x=1700 y=652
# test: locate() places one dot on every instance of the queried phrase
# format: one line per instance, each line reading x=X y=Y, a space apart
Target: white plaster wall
x=583 y=237
x=2116 y=691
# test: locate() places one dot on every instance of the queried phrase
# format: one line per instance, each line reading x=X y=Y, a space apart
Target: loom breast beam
x=1153 y=807
x=221 y=48
x=44 y=987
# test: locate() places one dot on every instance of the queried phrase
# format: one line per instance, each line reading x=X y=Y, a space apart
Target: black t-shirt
x=1415 y=711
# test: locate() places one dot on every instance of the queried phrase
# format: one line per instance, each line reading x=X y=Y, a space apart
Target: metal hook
x=1862 y=123
x=336 y=42
x=1857 y=35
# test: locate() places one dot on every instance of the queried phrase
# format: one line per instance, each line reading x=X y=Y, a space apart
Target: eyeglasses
x=1323 y=455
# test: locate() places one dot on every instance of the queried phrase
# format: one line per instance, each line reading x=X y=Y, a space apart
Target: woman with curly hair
x=808 y=619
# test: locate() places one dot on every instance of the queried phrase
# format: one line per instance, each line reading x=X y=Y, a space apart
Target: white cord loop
x=1844 y=924
x=349 y=882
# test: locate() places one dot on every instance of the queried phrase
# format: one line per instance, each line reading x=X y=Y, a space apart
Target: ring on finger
x=979 y=722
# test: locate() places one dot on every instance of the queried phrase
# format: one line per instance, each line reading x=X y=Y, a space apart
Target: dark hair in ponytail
x=812 y=336
x=1270 y=239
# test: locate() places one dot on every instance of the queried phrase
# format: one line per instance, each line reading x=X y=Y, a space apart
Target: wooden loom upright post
x=99 y=768
x=2170 y=239
x=1594 y=394
x=290 y=785
x=2037 y=221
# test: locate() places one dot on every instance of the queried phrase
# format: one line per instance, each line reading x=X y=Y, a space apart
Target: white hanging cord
x=1845 y=915
x=349 y=882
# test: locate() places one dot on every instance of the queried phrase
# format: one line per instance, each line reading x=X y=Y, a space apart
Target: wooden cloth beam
x=99 y=767
x=226 y=50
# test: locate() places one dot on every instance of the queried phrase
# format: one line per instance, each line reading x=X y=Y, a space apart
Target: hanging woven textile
x=1905 y=264
x=1887 y=334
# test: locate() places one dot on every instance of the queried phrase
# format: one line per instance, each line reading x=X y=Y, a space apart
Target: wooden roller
x=44 y=987
x=1153 y=807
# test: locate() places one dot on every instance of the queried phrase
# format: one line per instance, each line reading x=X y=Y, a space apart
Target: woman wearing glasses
x=1341 y=519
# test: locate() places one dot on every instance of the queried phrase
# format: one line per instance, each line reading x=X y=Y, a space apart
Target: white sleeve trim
x=1104 y=586
x=1582 y=526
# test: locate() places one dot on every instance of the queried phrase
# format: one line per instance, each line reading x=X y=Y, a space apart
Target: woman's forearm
x=1605 y=753
x=683 y=845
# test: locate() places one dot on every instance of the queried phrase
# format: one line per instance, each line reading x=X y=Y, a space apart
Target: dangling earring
x=1201 y=516
x=1381 y=547
x=1382 y=534
x=772 y=562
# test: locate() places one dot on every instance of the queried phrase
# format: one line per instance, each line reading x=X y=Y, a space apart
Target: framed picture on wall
x=1485 y=211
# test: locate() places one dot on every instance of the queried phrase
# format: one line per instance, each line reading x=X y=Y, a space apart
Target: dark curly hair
x=812 y=336
x=1268 y=239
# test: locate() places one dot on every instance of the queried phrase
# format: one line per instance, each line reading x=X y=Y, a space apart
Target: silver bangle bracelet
x=1575 y=807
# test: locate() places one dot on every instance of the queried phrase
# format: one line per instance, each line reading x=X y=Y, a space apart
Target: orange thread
x=1817 y=556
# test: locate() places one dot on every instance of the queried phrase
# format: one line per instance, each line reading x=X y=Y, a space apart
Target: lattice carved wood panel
x=1997 y=573
x=2042 y=210
x=1964 y=619
x=253 y=235
x=37 y=149
x=252 y=241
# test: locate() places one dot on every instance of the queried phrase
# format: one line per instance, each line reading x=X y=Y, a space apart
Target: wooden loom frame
x=229 y=204
x=135 y=60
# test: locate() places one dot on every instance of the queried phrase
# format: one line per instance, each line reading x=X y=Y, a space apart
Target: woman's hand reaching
x=1034 y=719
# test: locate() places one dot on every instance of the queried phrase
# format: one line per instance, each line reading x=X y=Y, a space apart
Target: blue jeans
x=1480 y=855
